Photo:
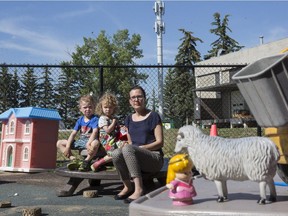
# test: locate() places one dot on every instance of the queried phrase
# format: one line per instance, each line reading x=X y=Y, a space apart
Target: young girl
x=179 y=180
x=111 y=136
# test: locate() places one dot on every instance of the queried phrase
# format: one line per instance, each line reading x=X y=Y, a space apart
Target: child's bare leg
x=108 y=158
x=92 y=149
x=61 y=145
x=94 y=146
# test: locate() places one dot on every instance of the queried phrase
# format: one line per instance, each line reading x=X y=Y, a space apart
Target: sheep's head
x=180 y=141
x=185 y=133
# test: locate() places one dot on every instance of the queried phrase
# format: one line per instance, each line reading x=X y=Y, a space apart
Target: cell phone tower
x=159 y=28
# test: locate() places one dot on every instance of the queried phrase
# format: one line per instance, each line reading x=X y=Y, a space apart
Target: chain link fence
x=217 y=99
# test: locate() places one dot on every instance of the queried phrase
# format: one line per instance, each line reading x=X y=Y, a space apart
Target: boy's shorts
x=80 y=143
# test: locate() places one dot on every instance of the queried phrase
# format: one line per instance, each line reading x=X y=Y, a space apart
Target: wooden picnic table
x=94 y=178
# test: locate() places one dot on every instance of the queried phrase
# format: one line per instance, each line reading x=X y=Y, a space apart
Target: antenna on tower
x=159 y=10
x=159 y=28
x=261 y=39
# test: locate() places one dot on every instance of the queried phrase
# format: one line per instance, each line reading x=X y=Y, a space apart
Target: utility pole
x=159 y=30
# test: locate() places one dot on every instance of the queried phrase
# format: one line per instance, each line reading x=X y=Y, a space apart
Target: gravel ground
x=31 y=190
x=49 y=179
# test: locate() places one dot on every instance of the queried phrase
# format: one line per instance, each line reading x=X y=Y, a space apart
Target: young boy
x=88 y=127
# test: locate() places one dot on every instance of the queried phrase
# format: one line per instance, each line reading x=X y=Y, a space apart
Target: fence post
x=259 y=131
x=101 y=79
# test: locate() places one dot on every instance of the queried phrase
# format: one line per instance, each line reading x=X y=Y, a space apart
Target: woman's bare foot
x=124 y=194
x=136 y=195
x=125 y=191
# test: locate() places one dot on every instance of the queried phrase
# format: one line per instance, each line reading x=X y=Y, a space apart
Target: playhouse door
x=9 y=156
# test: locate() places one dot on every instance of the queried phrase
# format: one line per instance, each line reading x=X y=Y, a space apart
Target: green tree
x=46 y=90
x=5 y=89
x=154 y=101
x=67 y=96
x=179 y=82
x=187 y=52
x=224 y=44
x=29 y=90
x=15 y=89
x=119 y=50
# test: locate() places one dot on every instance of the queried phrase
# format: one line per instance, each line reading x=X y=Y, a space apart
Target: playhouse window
x=26 y=154
x=6 y=129
x=12 y=127
x=27 y=127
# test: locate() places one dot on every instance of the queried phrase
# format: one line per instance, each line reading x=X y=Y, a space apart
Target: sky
x=47 y=32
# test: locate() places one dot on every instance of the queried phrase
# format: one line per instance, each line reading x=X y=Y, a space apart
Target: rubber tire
x=282 y=171
x=94 y=182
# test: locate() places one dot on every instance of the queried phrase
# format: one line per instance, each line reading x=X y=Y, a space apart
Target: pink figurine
x=179 y=180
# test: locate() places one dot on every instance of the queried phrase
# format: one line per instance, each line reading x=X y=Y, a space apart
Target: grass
x=170 y=138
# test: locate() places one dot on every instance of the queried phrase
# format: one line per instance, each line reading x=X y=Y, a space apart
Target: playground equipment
x=264 y=86
x=254 y=158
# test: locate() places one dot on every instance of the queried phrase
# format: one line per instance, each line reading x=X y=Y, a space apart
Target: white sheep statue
x=221 y=159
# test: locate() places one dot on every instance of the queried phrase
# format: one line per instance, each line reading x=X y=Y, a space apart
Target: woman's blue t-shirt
x=142 y=132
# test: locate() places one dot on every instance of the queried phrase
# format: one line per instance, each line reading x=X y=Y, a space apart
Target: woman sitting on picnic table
x=143 y=151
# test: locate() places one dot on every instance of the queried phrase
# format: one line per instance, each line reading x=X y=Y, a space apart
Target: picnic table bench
x=94 y=178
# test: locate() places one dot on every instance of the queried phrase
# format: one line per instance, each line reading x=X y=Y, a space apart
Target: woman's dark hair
x=140 y=88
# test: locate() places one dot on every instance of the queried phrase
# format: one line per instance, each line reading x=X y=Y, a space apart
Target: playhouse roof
x=31 y=112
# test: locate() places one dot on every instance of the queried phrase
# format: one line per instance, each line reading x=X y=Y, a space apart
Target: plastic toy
x=179 y=180
x=263 y=85
x=28 y=139
x=221 y=159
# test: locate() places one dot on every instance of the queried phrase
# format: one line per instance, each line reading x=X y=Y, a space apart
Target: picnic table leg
x=70 y=187
x=94 y=182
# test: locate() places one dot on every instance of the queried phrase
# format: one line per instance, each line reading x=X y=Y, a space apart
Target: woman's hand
x=123 y=144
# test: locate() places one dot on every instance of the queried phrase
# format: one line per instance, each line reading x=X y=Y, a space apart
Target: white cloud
x=75 y=13
x=276 y=33
x=30 y=36
x=92 y=10
x=22 y=39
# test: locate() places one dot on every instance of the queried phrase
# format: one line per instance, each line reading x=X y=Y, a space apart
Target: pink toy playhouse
x=28 y=139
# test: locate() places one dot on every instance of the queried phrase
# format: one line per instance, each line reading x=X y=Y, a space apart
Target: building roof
x=249 y=55
x=31 y=112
